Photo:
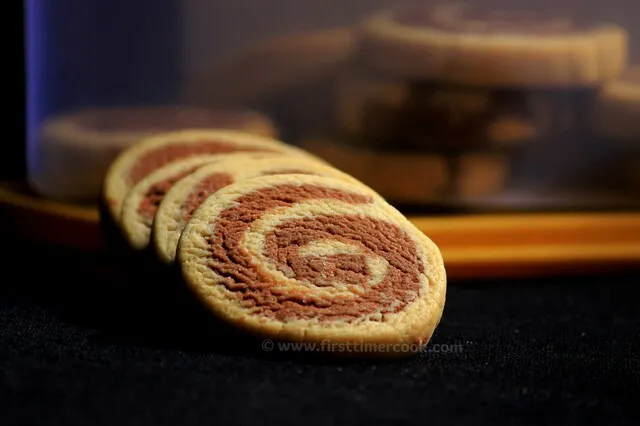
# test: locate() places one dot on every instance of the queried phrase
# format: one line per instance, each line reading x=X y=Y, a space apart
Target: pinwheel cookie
x=317 y=260
x=141 y=204
x=468 y=44
x=150 y=154
x=75 y=149
x=418 y=177
x=186 y=195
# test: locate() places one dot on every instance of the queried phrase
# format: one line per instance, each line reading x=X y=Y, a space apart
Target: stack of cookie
x=276 y=242
x=441 y=98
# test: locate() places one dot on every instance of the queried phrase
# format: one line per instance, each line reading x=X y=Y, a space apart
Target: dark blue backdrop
x=96 y=53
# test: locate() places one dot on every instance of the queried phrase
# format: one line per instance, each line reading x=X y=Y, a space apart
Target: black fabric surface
x=78 y=346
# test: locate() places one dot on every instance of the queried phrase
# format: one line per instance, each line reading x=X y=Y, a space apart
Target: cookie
x=137 y=162
x=467 y=44
x=75 y=149
x=385 y=110
x=186 y=195
x=316 y=260
x=401 y=177
x=270 y=67
x=617 y=116
x=416 y=178
x=140 y=206
x=479 y=174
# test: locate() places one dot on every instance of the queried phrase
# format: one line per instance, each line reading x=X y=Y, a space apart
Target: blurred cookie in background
x=268 y=67
x=451 y=69
x=417 y=178
x=617 y=114
x=618 y=107
x=480 y=86
x=426 y=115
x=289 y=77
x=466 y=43
x=75 y=149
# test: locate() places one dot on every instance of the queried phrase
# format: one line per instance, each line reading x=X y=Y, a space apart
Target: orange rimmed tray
x=49 y=222
x=473 y=246
x=477 y=246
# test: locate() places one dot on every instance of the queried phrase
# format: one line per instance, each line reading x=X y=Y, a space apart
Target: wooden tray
x=474 y=246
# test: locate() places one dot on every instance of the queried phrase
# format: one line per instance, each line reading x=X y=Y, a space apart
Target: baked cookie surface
x=317 y=260
x=182 y=200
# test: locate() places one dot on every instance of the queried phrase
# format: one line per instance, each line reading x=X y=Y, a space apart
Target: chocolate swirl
x=155 y=159
x=311 y=252
x=217 y=180
x=152 y=198
x=207 y=186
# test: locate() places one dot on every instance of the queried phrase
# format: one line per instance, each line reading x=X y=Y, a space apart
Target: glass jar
x=493 y=105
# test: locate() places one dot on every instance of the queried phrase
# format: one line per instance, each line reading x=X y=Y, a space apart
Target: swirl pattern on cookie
x=150 y=154
x=314 y=259
x=465 y=44
x=141 y=204
x=186 y=195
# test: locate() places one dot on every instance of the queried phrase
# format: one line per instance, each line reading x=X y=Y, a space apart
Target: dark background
x=13 y=158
